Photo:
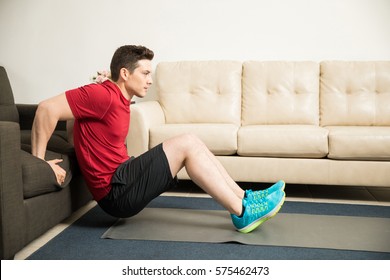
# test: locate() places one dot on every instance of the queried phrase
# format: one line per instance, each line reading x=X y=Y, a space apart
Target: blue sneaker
x=257 y=212
x=259 y=195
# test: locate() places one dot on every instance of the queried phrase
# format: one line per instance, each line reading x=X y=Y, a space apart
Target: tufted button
x=213 y=87
x=279 y=86
x=362 y=83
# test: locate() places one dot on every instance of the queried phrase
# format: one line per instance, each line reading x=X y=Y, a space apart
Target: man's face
x=140 y=80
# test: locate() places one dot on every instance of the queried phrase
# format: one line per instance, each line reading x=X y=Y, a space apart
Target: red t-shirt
x=102 y=117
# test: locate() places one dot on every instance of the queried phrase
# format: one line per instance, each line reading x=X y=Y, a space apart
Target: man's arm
x=49 y=112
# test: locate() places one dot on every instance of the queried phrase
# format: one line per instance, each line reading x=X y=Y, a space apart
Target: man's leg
x=204 y=169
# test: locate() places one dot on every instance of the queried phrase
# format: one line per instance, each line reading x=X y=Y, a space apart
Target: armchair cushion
x=57 y=143
x=27 y=114
x=38 y=177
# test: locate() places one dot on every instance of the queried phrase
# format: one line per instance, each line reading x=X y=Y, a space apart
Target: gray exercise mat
x=293 y=230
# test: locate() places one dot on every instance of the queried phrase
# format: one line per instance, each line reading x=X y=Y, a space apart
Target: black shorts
x=136 y=182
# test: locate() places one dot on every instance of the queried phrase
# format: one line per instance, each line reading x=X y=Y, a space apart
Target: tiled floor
x=311 y=193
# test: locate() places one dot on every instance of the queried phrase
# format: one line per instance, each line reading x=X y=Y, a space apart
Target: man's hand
x=58 y=170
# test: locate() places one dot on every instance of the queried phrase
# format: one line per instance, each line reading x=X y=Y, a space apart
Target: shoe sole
x=257 y=223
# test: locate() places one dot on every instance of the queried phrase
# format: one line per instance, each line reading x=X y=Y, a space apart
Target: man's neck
x=123 y=90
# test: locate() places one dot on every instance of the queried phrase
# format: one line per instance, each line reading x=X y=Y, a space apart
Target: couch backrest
x=8 y=110
x=280 y=92
x=200 y=91
x=355 y=93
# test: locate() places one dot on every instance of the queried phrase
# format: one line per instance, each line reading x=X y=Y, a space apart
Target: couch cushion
x=200 y=91
x=221 y=139
x=283 y=141
x=38 y=177
x=359 y=143
x=280 y=93
x=355 y=93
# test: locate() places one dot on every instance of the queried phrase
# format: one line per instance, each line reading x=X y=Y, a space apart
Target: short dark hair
x=127 y=57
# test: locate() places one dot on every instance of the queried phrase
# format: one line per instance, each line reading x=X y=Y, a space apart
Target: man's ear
x=124 y=74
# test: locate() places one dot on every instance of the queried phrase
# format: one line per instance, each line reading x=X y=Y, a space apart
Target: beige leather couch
x=304 y=122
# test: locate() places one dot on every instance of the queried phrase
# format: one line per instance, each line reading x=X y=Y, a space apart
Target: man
x=123 y=186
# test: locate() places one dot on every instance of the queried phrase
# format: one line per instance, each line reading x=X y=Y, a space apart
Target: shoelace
x=257 y=194
x=255 y=208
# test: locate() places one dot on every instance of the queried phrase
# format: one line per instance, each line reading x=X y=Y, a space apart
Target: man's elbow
x=46 y=111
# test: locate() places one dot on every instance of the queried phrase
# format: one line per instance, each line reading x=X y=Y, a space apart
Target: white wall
x=48 y=46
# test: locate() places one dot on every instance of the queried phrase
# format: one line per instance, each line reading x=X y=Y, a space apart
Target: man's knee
x=192 y=140
x=185 y=143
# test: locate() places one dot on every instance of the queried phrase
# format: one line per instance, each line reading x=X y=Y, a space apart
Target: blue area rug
x=82 y=240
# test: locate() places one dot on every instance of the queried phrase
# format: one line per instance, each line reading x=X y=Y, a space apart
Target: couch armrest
x=11 y=191
x=144 y=115
x=27 y=114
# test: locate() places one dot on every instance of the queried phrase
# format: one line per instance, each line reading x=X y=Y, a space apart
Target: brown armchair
x=31 y=200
